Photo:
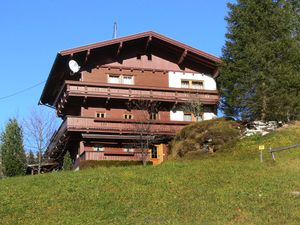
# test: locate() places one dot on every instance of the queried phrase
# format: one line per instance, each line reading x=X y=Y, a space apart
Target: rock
x=261 y=128
x=297 y=193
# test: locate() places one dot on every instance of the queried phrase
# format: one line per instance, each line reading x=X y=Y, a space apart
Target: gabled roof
x=92 y=55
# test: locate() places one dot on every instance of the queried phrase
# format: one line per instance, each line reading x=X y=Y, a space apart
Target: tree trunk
x=264 y=103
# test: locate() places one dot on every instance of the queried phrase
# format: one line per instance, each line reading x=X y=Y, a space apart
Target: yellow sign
x=261 y=147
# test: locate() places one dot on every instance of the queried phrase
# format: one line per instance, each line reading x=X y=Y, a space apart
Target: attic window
x=120 y=79
x=138 y=57
x=149 y=57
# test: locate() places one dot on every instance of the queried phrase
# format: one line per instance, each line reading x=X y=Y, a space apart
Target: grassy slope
x=232 y=187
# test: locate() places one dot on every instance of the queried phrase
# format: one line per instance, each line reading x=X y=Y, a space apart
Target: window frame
x=190 y=84
x=153 y=113
x=98 y=148
x=102 y=113
x=128 y=115
x=188 y=113
x=121 y=78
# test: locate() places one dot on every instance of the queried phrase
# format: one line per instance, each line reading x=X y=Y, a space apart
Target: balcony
x=120 y=126
x=132 y=92
x=94 y=155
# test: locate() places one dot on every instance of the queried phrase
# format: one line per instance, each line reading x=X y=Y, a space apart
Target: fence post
x=273 y=155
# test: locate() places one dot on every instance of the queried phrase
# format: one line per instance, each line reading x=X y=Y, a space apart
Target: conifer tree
x=260 y=72
x=67 y=162
x=12 y=149
x=31 y=158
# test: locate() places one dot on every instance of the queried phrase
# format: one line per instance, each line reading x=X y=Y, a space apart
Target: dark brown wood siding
x=141 y=78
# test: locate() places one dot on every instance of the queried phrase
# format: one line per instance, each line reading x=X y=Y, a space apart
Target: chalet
x=98 y=91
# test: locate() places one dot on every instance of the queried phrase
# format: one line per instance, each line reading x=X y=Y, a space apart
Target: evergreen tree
x=67 y=162
x=260 y=72
x=13 y=155
x=31 y=158
x=1 y=167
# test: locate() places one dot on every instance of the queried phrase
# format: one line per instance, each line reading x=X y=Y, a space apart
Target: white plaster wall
x=175 y=78
x=178 y=116
x=209 y=116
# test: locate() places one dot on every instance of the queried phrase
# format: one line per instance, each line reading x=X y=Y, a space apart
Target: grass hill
x=230 y=187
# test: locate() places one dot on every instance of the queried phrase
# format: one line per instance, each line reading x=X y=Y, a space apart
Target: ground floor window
x=154 y=152
x=98 y=148
x=128 y=148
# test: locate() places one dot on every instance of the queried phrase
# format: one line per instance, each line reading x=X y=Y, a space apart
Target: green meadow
x=229 y=187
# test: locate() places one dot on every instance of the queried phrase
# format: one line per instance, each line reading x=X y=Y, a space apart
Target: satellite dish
x=73 y=65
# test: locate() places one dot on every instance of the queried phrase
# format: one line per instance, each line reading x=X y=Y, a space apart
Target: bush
x=109 y=163
x=203 y=137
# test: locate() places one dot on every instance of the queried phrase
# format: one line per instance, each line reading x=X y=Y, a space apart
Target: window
x=192 y=84
x=185 y=84
x=197 y=84
x=120 y=79
x=100 y=115
x=114 y=79
x=128 y=148
x=154 y=152
x=153 y=116
x=98 y=148
x=127 y=80
x=128 y=116
x=187 y=117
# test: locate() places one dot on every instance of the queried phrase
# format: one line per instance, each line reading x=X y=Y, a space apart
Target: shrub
x=206 y=136
x=109 y=163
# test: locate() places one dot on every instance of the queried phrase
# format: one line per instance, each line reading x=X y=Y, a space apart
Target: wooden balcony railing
x=121 y=126
x=94 y=155
x=113 y=126
x=121 y=91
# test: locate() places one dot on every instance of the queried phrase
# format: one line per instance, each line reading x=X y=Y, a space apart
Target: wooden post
x=273 y=156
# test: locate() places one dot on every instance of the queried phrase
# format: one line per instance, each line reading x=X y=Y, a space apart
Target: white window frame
x=190 y=84
x=121 y=79
x=98 y=148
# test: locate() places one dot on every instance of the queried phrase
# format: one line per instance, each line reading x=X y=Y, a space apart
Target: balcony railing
x=114 y=126
x=121 y=126
x=121 y=91
x=94 y=155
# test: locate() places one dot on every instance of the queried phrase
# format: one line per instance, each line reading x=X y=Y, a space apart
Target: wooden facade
x=96 y=104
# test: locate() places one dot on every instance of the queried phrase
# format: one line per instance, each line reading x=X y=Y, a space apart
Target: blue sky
x=32 y=32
